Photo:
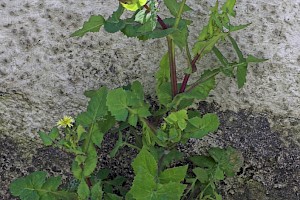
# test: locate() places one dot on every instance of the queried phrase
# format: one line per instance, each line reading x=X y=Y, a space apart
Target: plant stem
x=178 y=17
x=132 y=146
x=187 y=76
x=171 y=51
x=201 y=81
x=88 y=182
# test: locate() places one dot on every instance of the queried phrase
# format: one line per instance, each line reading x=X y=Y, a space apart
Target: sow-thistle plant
x=156 y=132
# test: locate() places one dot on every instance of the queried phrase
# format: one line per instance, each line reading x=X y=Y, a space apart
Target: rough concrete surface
x=44 y=72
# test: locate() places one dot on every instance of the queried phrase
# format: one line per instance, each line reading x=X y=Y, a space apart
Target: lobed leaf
x=36 y=186
x=96 y=108
x=96 y=192
x=229 y=160
x=170 y=190
x=178 y=118
x=117 y=104
x=83 y=190
x=144 y=162
x=203 y=161
x=176 y=174
x=199 y=127
x=201 y=174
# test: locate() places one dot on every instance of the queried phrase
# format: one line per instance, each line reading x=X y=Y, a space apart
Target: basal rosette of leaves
x=158 y=129
x=133 y=5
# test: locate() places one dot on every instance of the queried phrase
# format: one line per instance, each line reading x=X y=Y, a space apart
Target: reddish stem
x=187 y=76
x=184 y=83
x=88 y=182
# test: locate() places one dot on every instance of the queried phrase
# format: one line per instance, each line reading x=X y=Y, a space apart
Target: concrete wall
x=44 y=72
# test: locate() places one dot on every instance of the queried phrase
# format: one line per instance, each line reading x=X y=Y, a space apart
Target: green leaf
x=147 y=27
x=114 y=23
x=96 y=107
x=76 y=170
x=35 y=186
x=115 y=17
x=253 y=59
x=106 y=123
x=220 y=56
x=204 y=47
x=80 y=130
x=163 y=73
x=118 y=181
x=218 y=196
x=21 y=185
x=92 y=25
x=174 y=135
x=229 y=160
x=227 y=69
x=170 y=190
x=83 y=190
x=149 y=138
x=202 y=174
x=241 y=74
x=118 y=145
x=114 y=27
x=157 y=33
x=163 y=92
x=103 y=173
x=180 y=34
x=96 y=192
x=200 y=90
x=110 y=196
x=142 y=16
x=178 y=118
x=52 y=183
x=135 y=99
x=144 y=162
x=180 y=38
x=237 y=49
x=175 y=174
x=45 y=138
x=238 y=27
x=174 y=6
x=199 y=127
x=228 y=7
x=143 y=111
x=219 y=174
x=117 y=104
x=203 y=161
x=132 y=119
x=173 y=155
x=143 y=185
x=97 y=135
x=91 y=161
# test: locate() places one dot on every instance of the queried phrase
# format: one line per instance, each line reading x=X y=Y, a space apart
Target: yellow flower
x=66 y=121
x=133 y=5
